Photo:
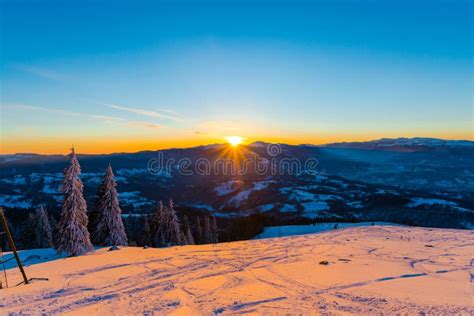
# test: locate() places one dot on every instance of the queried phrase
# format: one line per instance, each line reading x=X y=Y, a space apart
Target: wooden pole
x=3 y=220
x=3 y=265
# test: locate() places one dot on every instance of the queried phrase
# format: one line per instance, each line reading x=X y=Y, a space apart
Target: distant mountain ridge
x=376 y=144
x=404 y=144
x=420 y=181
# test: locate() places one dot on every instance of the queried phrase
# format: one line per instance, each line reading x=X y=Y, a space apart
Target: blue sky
x=123 y=76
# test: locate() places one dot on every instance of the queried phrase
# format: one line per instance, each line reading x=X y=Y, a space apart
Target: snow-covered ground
x=294 y=230
x=370 y=270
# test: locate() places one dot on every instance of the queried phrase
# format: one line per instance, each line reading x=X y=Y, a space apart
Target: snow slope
x=294 y=230
x=370 y=270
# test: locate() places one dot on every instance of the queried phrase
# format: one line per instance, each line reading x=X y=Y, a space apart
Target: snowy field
x=370 y=270
x=294 y=230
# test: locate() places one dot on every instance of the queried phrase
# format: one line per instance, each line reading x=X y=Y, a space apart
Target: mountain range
x=418 y=181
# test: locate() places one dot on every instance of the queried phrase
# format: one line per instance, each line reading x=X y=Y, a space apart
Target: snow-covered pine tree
x=207 y=234
x=187 y=231
x=161 y=240
x=28 y=231
x=172 y=231
x=182 y=238
x=109 y=230
x=146 y=232
x=73 y=236
x=54 y=230
x=95 y=213
x=164 y=226
x=43 y=231
x=199 y=233
x=156 y=226
x=214 y=231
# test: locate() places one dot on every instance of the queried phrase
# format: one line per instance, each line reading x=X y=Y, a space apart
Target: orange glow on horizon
x=92 y=145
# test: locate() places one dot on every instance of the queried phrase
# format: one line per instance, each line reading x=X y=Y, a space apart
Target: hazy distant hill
x=408 y=144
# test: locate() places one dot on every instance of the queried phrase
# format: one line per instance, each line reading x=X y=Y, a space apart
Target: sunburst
x=234 y=140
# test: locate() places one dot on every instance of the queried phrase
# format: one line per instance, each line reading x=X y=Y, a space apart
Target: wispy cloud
x=36 y=108
x=170 y=111
x=143 y=112
x=41 y=72
x=143 y=124
x=103 y=118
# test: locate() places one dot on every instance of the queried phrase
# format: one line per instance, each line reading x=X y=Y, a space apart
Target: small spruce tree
x=199 y=231
x=187 y=231
x=214 y=231
x=95 y=213
x=43 y=231
x=156 y=226
x=146 y=232
x=172 y=231
x=165 y=227
x=207 y=234
x=110 y=230
x=182 y=238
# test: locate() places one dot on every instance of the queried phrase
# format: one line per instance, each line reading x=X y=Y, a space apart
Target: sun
x=234 y=140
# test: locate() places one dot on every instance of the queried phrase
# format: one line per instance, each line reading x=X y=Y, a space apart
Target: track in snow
x=371 y=269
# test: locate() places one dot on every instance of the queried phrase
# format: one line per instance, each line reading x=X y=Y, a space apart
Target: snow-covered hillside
x=295 y=230
x=369 y=270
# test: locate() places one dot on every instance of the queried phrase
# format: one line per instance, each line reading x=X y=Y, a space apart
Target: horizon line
x=244 y=144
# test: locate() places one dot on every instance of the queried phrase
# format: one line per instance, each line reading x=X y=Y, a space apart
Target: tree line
x=78 y=230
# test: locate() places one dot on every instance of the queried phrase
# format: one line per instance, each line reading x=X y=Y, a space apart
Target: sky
x=125 y=76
